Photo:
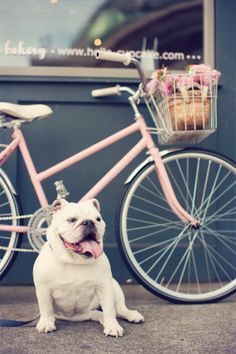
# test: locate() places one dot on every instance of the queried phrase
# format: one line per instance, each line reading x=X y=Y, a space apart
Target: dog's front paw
x=135 y=317
x=46 y=325
x=112 y=328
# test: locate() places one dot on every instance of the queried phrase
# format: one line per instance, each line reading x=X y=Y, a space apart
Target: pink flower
x=152 y=86
x=199 y=68
x=160 y=81
x=203 y=74
x=215 y=74
x=186 y=81
x=168 y=83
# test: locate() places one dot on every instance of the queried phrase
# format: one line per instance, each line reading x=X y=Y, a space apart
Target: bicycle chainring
x=37 y=227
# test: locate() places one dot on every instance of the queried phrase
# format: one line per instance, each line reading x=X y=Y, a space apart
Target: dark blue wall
x=225 y=59
x=79 y=121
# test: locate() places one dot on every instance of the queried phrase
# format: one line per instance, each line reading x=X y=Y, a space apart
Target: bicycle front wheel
x=8 y=216
x=167 y=256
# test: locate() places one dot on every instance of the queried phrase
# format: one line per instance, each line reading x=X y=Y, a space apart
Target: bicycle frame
x=146 y=142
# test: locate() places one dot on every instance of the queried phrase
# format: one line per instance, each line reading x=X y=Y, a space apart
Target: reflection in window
x=66 y=32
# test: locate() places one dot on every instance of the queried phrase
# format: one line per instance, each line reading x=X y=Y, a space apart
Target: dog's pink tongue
x=91 y=247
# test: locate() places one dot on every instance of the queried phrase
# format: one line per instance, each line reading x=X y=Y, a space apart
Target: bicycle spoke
x=151 y=234
x=150 y=214
x=217 y=235
x=219 y=196
x=205 y=257
x=160 y=195
x=190 y=251
x=185 y=183
x=221 y=239
x=208 y=200
x=177 y=187
x=157 y=252
x=221 y=257
x=223 y=193
x=222 y=180
x=4 y=215
x=5 y=237
x=195 y=186
x=152 y=203
x=219 y=210
x=205 y=187
x=185 y=255
x=156 y=195
x=212 y=261
x=4 y=204
x=213 y=252
x=152 y=224
x=174 y=244
x=157 y=244
x=196 y=272
x=221 y=233
x=221 y=217
x=178 y=238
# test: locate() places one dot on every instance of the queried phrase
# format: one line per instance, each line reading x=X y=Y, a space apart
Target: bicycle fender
x=7 y=180
x=149 y=159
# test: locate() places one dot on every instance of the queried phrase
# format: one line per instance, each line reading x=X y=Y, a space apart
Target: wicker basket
x=188 y=115
x=191 y=112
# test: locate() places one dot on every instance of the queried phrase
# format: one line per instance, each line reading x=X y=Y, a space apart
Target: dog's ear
x=59 y=204
x=95 y=203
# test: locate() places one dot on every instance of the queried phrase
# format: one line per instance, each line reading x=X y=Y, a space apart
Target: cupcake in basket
x=185 y=99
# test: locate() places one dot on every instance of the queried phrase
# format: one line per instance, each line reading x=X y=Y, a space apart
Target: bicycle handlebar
x=113 y=56
x=125 y=58
x=114 y=91
x=108 y=91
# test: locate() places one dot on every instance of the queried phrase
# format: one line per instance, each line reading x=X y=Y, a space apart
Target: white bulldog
x=72 y=274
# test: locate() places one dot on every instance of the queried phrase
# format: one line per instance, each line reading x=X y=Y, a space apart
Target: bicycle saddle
x=24 y=112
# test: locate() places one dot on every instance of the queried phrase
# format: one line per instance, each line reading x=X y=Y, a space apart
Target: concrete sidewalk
x=168 y=328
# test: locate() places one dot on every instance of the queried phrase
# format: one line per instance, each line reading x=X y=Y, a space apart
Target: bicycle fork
x=164 y=178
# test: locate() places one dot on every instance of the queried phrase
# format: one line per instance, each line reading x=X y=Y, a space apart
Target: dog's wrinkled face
x=79 y=227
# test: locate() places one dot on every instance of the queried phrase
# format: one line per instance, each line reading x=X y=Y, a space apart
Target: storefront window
x=65 y=33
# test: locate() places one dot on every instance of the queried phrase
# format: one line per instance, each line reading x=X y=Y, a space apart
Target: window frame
x=127 y=73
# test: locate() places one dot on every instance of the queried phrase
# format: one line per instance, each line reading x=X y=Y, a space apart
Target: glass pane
x=66 y=32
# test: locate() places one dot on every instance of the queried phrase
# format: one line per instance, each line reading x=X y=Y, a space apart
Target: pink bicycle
x=177 y=216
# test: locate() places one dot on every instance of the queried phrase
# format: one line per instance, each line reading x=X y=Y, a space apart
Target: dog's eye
x=72 y=220
x=98 y=219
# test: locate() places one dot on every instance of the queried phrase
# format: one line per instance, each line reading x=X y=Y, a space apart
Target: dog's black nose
x=88 y=223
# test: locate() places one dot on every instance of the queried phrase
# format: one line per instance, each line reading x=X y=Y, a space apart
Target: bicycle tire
x=192 y=266
x=9 y=207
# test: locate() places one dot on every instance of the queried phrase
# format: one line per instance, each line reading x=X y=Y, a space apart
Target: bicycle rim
x=8 y=209
x=168 y=257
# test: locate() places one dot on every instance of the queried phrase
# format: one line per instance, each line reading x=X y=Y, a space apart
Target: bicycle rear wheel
x=168 y=257
x=8 y=213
